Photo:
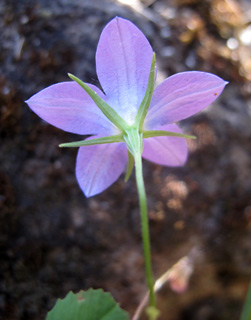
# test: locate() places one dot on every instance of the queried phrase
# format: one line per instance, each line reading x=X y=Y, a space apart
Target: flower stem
x=145 y=231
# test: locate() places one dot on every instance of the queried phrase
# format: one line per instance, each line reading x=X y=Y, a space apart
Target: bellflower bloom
x=124 y=59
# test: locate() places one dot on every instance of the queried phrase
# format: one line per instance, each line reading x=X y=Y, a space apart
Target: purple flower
x=123 y=60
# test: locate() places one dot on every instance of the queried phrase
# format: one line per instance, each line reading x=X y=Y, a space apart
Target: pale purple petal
x=123 y=62
x=183 y=95
x=167 y=151
x=99 y=166
x=67 y=106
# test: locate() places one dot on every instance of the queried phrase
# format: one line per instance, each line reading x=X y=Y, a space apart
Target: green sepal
x=134 y=140
x=103 y=140
x=109 y=112
x=130 y=165
x=160 y=133
x=89 y=305
x=143 y=109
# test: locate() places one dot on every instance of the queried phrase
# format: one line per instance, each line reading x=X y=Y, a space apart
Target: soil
x=52 y=238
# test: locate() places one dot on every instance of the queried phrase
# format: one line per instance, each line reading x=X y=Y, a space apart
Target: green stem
x=145 y=228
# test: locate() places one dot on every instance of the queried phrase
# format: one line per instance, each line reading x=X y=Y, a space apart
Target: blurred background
x=53 y=239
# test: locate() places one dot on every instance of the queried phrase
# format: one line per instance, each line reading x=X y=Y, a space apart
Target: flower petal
x=123 y=61
x=167 y=151
x=183 y=95
x=67 y=106
x=99 y=166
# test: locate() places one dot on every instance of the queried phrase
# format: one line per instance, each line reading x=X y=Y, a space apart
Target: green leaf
x=103 y=140
x=160 y=133
x=246 y=312
x=102 y=105
x=89 y=305
x=130 y=166
x=143 y=109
